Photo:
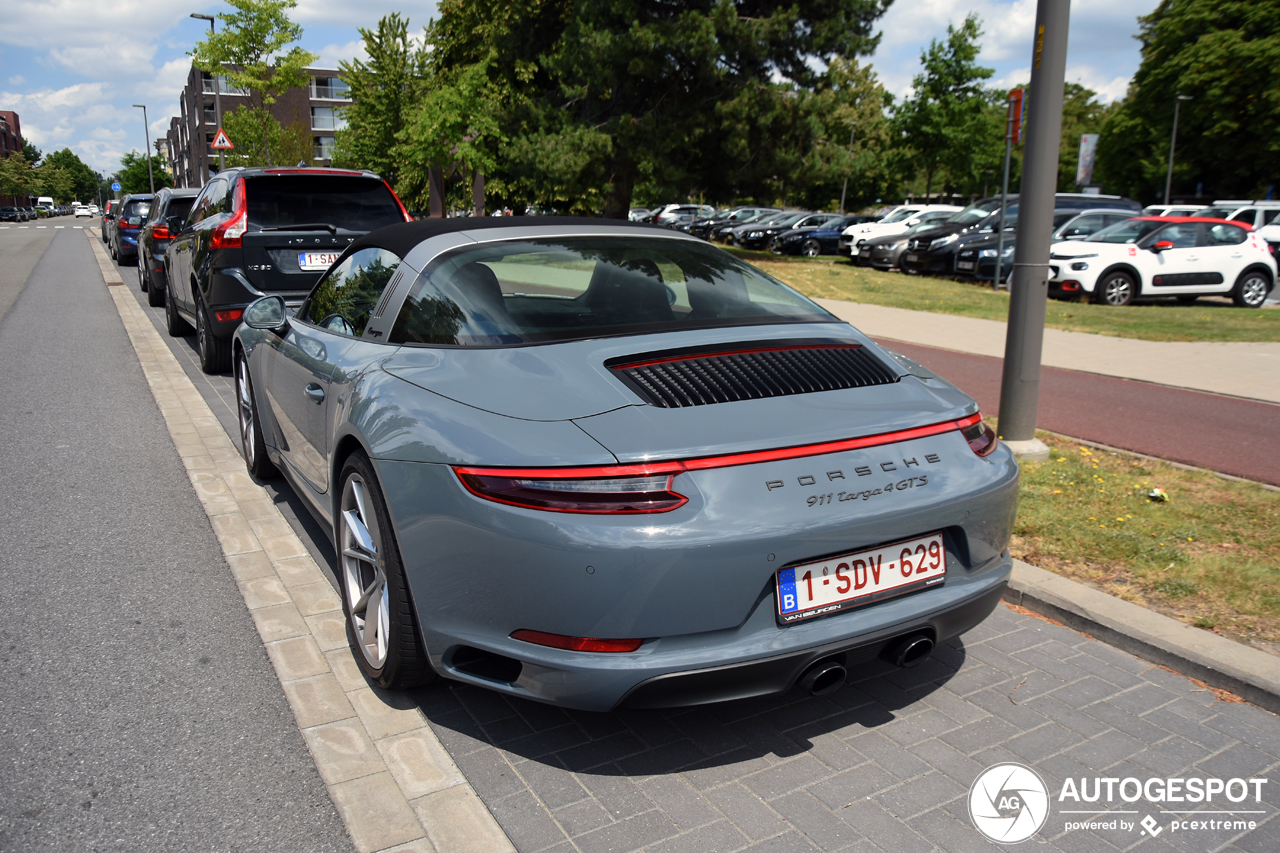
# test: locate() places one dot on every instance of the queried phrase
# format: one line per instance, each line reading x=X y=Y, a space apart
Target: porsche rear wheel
x=375 y=597
x=1116 y=288
x=252 y=443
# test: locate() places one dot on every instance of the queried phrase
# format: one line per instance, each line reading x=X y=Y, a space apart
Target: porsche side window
x=1224 y=235
x=342 y=301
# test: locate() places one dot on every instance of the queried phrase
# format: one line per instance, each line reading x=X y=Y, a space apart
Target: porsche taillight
x=597 y=495
x=981 y=438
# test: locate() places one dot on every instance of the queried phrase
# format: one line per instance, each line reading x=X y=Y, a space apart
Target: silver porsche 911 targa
x=610 y=466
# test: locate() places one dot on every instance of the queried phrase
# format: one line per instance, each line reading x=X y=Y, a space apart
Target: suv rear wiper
x=304 y=226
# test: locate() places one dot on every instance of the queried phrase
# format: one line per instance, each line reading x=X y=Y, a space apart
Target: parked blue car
x=131 y=216
x=811 y=242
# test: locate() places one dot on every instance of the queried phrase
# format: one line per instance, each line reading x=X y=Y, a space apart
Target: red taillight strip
x=696 y=356
x=403 y=210
x=575 y=644
x=728 y=461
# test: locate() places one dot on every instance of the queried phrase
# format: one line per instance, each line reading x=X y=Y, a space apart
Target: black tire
x=1116 y=288
x=811 y=248
x=392 y=655
x=1251 y=290
x=155 y=293
x=215 y=352
x=142 y=276
x=114 y=256
x=1189 y=299
x=252 y=443
x=173 y=322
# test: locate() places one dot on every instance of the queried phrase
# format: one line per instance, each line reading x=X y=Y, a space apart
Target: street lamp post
x=1173 y=143
x=852 y=125
x=217 y=93
x=151 y=178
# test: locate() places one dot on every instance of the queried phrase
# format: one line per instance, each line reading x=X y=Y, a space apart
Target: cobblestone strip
x=393 y=783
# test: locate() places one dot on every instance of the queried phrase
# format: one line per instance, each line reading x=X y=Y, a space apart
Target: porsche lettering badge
x=888 y=467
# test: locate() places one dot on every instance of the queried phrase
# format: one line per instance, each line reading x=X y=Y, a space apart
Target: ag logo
x=1008 y=803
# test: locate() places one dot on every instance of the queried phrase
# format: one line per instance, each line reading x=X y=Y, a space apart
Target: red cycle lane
x=1227 y=434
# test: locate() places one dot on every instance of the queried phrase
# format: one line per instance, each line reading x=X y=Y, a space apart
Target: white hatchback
x=83 y=211
x=1165 y=256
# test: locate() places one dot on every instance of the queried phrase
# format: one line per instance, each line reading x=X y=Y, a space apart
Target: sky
x=73 y=69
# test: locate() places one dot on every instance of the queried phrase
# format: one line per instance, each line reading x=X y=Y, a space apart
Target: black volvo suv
x=256 y=231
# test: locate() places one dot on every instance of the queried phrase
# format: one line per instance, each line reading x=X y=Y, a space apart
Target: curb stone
x=392 y=782
x=1217 y=661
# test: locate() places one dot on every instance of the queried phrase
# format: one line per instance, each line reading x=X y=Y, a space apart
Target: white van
x=45 y=202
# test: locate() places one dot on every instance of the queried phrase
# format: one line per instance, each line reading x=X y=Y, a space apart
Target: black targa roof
x=402 y=237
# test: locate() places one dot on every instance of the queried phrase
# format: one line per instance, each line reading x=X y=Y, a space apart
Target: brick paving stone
x=921 y=795
x=750 y=814
x=884 y=764
x=815 y=821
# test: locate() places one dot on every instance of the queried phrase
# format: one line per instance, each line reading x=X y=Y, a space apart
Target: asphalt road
x=1227 y=434
x=138 y=709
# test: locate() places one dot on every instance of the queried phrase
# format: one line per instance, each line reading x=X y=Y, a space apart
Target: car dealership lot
x=885 y=763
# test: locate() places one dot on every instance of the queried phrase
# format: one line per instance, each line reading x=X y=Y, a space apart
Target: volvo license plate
x=316 y=260
x=863 y=577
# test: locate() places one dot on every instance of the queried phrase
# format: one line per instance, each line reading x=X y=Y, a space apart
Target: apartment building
x=11 y=143
x=191 y=131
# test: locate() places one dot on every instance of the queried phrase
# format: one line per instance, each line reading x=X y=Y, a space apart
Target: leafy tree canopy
x=1224 y=55
x=583 y=100
x=83 y=180
x=133 y=173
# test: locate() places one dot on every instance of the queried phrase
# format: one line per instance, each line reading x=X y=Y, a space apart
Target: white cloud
x=365 y=14
x=17 y=80
x=332 y=54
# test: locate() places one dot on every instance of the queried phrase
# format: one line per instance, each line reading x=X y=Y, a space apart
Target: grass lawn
x=1209 y=556
x=1210 y=319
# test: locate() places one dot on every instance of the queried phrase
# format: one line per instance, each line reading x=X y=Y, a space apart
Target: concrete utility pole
x=217 y=95
x=1173 y=143
x=151 y=178
x=1029 y=282
x=843 y=192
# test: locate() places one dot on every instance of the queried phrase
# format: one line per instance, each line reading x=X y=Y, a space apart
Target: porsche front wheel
x=375 y=597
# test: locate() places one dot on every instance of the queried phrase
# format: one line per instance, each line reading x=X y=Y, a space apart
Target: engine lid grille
x=749 y=371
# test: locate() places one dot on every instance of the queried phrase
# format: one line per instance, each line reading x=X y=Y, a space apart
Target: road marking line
x=393 y=785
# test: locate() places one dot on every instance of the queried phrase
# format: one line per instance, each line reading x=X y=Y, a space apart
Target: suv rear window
x=179 y=206
x=346 y=203
x=135 y=211
x=548 y=290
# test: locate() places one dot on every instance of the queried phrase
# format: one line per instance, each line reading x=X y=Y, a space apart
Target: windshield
x=899 y=215
x=347 y=203
x=575 y=288
x=1129 y=231
x=978 y=211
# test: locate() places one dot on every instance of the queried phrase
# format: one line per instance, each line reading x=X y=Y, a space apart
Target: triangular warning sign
x=221 y=142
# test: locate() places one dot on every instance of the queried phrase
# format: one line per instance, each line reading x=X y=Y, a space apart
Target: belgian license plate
x=964 y=265
x=316 y=260
x=861 y=578
x=913 y=258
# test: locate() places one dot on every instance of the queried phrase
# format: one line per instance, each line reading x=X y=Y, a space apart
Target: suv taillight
x=160 y=232
x=228 y=234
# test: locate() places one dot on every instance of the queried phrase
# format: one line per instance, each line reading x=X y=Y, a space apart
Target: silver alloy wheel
x=1117 y=290
x=364 y=580
x=811 y=249
x=202 y=331
x=142 y=280
x=244 y=395
x=1253 y=291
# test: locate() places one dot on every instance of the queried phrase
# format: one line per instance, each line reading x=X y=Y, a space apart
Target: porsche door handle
x=314 y=393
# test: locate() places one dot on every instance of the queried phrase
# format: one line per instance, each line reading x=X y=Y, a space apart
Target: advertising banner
x=1088 y=151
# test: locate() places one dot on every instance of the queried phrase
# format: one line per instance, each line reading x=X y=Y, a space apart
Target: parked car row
x=1110 y=250
x=19 y=214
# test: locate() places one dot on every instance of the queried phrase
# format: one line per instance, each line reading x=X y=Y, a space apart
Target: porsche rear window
x=573 y=288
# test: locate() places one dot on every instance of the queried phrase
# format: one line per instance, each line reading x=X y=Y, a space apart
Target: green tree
x=55 y=182
x=133 y=173
x=383 y=92
x=589 y=99
x=250 y=51
x=947 y=123
x=1224 y=55
x=32 y=153
x=17 y=178
x=84 y=181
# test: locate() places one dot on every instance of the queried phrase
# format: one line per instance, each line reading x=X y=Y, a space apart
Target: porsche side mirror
x=267 y=313
x=1161 y=246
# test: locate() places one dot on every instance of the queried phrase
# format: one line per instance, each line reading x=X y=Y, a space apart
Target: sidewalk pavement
x=1250 y=370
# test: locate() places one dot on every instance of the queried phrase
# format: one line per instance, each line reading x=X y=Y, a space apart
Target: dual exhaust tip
x=828 y=675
